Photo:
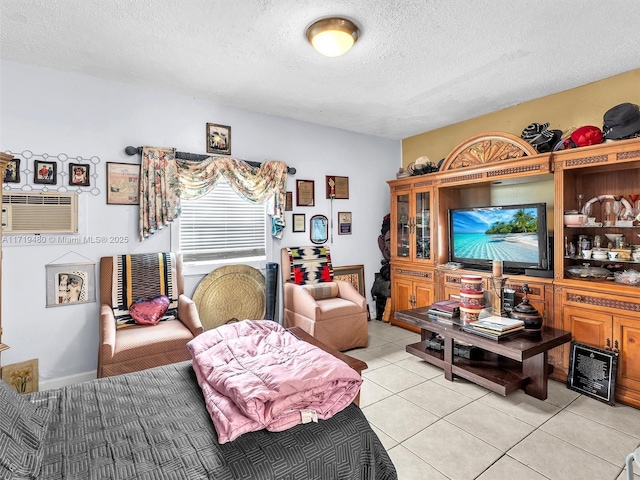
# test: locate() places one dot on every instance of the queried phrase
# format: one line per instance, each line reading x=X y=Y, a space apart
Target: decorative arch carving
x=484 y=148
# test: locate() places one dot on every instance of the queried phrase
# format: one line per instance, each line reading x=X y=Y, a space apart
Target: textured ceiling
x=419 y=65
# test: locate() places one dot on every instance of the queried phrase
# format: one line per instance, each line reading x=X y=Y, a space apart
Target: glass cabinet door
x=422 y=225
x=403 y=230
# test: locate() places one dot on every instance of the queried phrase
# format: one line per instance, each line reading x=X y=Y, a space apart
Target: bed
x=153 y=424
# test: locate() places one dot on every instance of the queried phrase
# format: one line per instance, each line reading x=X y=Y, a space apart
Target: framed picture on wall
x=337 y=187
x=288 y=203
x=218 y=139
x=12 y=172
x=70 y=283
x=45 y=172
x=344 y=223
x=123 y=183
x=299 y=222
x=78 y=175
x=305 y=193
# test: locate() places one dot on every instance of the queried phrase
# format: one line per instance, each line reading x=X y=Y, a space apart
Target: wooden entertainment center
x=497 y=168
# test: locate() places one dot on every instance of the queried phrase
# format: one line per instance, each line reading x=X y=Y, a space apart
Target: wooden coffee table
x=357 y=365
x=516 y=362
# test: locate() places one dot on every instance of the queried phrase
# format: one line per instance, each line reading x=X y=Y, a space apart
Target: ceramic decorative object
x=528 y=314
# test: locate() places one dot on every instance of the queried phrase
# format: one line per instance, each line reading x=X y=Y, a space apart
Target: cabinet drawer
x=598 y=301
x=412 y=273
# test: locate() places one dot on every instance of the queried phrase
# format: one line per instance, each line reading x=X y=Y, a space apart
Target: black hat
x=540 y=137
x=621 y=121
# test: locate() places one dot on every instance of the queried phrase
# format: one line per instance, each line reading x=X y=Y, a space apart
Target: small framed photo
x=218 y=139
x=305 y=193
x=344 y=223
x=12 y=172
x=23 y=376
x=45 y=172
x=123 y=183
x=288 y=204
x=78 y=175
x=337 y=187
x=299 y=222
x=70 y=283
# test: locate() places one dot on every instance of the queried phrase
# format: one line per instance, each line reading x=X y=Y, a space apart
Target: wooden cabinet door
x=402 y=294
x=588 y=327
x=627 y=333
x=423 y=294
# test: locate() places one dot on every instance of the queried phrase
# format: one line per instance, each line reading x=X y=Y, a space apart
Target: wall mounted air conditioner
x=39 y=212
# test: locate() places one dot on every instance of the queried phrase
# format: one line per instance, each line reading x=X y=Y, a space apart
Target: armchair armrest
x=107 y=345
x=300 y=300
x=188 y=314
x=349 y=292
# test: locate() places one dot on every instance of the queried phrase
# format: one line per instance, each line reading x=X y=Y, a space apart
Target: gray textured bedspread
x=154 y=425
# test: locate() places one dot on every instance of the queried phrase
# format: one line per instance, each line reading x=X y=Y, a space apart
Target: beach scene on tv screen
x=508 y=234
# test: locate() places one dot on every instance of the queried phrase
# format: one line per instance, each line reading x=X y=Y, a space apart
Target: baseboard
x=64 y=381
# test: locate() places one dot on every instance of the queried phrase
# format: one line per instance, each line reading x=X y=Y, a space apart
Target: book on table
x=498 y=324
x=492 y=334
x=450 y=306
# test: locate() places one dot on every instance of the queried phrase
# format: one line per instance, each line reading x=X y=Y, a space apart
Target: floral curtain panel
x=159 y=190
x=193 y=179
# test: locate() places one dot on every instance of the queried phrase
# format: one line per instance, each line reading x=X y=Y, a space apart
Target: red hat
x=587 y=135
x=583 y=137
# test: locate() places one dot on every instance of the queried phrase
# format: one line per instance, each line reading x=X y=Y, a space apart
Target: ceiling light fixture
x=333 y=36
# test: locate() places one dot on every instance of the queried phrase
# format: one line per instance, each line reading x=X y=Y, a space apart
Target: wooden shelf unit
x=474 y=174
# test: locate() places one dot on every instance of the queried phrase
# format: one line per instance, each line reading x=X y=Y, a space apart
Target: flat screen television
x=515 y=234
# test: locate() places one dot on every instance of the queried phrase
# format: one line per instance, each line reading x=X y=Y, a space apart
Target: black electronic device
x=515 y=234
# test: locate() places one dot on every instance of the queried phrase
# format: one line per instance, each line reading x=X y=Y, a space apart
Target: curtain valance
x=164 y=180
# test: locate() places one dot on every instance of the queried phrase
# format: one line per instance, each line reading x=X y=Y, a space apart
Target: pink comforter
x=254 y=374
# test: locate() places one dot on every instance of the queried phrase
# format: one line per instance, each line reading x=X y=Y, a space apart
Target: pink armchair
x=126 y=347
x=332 y=311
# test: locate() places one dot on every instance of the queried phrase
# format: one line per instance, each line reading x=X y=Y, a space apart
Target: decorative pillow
x=310 y=265
x=320 y=291
x=22 y=428
x=149 y=312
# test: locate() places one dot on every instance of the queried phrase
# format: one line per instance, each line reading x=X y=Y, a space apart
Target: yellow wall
x=565 y=111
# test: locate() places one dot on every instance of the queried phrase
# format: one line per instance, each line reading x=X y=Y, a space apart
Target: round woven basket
x=232 y=291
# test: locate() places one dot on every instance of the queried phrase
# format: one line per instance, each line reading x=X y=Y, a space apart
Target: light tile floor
x=436 y=429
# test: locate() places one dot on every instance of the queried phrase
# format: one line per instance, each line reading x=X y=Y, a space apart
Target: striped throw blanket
x=143 y=276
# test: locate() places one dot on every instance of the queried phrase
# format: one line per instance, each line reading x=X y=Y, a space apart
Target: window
x=222 y=225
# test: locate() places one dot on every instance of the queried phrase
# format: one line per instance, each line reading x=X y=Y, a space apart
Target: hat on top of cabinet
x=621 y=121
x=540 y=137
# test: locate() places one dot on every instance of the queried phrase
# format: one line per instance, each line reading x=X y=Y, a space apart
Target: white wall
x=46 y=111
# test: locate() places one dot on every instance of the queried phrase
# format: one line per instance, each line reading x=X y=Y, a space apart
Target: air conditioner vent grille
x=38 y=213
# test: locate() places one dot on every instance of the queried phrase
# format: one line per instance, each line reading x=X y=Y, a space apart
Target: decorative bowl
x=612 y=236
x=470 y=314
x=574 y=219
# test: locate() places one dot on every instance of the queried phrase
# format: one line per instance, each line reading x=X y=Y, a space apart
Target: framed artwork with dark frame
x=344 y=223
x=299 y=222
x=592 y=372
x=123 y=183
x=12 y=172
x=288 y=203
x=218 y=139
x=45 y=172
x=78 y=175
x=337 y=187
x=70 y=283
x=354 y=274
x=305 y=193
